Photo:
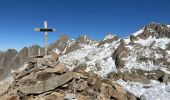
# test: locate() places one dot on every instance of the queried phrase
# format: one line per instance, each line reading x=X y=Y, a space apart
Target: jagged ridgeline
x=12 y=60
x=141 y=57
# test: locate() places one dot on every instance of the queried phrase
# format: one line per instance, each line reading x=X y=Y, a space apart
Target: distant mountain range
x=140 y=57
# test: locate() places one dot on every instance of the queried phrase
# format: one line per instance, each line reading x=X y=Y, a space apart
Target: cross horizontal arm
x=45 y=29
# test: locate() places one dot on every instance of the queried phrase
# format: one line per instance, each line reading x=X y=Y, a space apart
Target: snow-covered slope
x=152 y=91
x=147 y=49
x=97 y=59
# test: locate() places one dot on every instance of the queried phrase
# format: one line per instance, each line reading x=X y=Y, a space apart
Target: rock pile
x=45 y=78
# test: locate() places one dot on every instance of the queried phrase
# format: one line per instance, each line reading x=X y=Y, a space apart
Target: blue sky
x=94 y=18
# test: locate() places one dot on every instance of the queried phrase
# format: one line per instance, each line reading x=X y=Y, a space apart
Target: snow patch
x=168 y=26
x=138 y=32
x=127 y=40
x=165 y=70
x=110 y=36
x=161 y=43
x=168 y=51
x=57 y=51
x=152 y=91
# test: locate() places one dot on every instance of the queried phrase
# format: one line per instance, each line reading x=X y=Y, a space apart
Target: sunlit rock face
x=11 y=59
x=155 y=30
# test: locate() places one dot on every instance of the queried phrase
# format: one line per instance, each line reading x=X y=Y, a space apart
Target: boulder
x=52 y=56
x=44 y=86
x=58 y=69
x=121 y=52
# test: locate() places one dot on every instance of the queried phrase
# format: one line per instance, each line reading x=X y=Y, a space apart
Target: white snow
x=138 y=32
x=165 y=70
x=98 y=60
x=57 y=51
x=151 y=30
x=161 y=43
x=127 y=40
x=110 y=36
x=168 y=51
x=152 y=91
x=78 y=55
x=71 y=42
x=168 y=26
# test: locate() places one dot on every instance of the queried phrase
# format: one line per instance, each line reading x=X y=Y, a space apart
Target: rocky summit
x=45 y=78
x=135 y=67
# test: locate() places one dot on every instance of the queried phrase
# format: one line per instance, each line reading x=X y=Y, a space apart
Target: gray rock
x=60 y=44
x=142 y=97
x=121 y=52
x=166 y=78
x=44 y=86
x=52 y=56
x=5 y=60
x=58 y=69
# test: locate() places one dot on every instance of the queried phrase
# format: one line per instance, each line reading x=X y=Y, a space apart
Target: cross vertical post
x=45 y=38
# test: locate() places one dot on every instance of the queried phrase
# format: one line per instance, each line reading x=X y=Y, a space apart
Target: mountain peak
x=83 y=39
x=154 y=30
x=63 y=37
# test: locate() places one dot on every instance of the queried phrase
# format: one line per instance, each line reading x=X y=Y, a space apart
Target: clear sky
x=94 y=18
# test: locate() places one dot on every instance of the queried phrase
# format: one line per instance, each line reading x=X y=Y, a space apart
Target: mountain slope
x=141 y=57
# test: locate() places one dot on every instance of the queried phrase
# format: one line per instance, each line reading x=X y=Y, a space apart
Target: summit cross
x=45 y=30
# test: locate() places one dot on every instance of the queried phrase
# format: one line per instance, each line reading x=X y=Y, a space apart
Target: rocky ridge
x=45 y=78
x=12 y=60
